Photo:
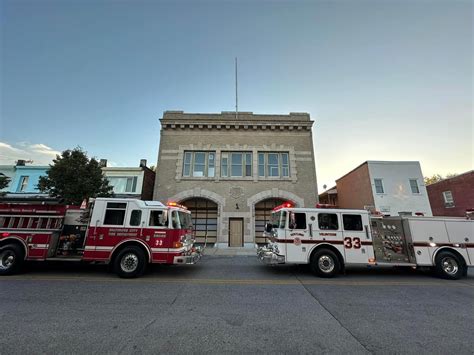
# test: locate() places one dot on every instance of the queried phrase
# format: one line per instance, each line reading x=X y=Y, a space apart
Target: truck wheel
x=130 y=262
x=325 y=263
x=11 y=259
x=449 y=266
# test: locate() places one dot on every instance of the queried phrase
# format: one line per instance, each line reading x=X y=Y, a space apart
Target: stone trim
x=197 y=192
x=207 y=126
x=273 y=193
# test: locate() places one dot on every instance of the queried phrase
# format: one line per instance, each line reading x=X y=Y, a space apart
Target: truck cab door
x=296 y=233
x=358 y=247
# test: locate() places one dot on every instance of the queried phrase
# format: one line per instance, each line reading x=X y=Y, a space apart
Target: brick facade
x=462 y=190
x=354 y=190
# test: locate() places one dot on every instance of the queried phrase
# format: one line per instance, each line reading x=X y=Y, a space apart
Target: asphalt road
x=233 y=304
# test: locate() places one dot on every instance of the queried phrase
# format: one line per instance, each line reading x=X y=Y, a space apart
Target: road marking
x=256 y=282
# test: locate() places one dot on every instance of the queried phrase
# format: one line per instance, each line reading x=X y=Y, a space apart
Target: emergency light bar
x=284 y=205
x=175 y=204
x=324 y=205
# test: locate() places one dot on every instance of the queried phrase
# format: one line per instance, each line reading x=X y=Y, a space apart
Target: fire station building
x=231 y=170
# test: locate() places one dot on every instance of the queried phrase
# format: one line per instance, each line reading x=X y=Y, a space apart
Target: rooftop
x=229 y=120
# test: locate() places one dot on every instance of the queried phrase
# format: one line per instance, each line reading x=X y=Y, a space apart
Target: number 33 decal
x=352 y=243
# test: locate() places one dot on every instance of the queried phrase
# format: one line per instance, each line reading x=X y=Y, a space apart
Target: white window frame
x=448 y=201
x=132 y=180
x=226 y=164
x=382 y=185
x=23 y=183
x=266 y=168
x=417 y=186
x=209 y=164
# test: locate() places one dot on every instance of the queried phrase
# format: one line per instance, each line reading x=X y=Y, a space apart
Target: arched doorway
x=263 y=212
x=204 y=216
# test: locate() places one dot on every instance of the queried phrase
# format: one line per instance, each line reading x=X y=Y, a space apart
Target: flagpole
x=236 y=94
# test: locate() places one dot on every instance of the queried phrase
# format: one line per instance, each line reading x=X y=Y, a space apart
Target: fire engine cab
x=126 y=233
x=330 y=239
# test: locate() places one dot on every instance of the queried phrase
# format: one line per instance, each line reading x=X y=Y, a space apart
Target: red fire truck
x=126 y=233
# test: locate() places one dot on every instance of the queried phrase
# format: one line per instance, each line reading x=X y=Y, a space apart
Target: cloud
x=39 y=153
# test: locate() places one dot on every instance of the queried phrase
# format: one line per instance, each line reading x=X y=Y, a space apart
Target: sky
x=382 y=79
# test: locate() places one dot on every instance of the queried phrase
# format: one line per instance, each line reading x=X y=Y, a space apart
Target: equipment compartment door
x=236 y=232
x=390 y=242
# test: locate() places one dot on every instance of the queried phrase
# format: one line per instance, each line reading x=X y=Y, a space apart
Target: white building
x=391 y=187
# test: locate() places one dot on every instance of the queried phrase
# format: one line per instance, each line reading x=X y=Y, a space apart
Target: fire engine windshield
x=279 y=219
x=185 y=220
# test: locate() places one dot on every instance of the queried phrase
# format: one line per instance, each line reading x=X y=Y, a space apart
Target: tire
x=325 y=263
x=130 y=262
x=12 y=258
x=449 y=265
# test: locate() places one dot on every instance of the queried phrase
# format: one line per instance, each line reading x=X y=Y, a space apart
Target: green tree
x=4 y=181
x=74 y=177
x=436 y=178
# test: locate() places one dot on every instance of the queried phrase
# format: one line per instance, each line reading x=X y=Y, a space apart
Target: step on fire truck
x=126 y=233
x=330 y=239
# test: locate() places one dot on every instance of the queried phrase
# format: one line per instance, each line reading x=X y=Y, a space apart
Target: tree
x=4 y=181
x=74 y=177
x=436 y=178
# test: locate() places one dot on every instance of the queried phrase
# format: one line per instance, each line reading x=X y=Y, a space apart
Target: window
x=378 y=186
x=23 y=183
x=297 y=221
x=187 y=164
x=185 y=219
x=448 y=199
x=261 y=164
x=135 y=217
x=158 y=218
x=175 y=220
x=414 y=186
x=123 y=184
x=199 y=164
x=273 y=165
x=352 y=222
x=328 y=221
x=236 y=164
x=285 y=166
x=115 y=213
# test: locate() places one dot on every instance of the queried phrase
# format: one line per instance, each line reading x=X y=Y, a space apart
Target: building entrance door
x=236 y=232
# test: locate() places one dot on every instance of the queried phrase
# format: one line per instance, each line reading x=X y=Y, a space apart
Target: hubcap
x=450 y=266
x=7 y=258
x=129 y=262
x=326 y=264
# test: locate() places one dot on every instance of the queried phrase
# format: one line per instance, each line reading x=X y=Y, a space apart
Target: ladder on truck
x=11 y=222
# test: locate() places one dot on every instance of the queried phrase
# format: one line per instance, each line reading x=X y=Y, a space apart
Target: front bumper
x=192 y=257
x=268 y=256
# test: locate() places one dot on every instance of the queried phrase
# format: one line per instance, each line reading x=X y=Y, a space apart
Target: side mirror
x=268 y=227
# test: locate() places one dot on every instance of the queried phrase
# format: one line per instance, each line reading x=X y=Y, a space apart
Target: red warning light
x=175 y=204
x=284 y=205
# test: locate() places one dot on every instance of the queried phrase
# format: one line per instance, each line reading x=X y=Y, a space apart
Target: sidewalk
x=219 y=250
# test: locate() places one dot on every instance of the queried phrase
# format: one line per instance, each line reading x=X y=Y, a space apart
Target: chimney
x=20 y=162
x=103 y=163
x=142 y=163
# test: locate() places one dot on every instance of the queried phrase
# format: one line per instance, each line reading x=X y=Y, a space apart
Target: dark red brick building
x=453 y=196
